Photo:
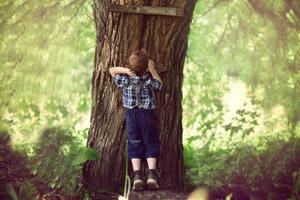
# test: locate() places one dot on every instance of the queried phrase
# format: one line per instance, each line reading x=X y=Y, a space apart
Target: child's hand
x=130 y=72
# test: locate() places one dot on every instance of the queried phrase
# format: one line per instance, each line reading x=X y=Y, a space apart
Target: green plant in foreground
x=55 y=167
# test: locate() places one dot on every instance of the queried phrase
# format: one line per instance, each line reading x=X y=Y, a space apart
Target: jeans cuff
x=136 y=156
x=153 y=155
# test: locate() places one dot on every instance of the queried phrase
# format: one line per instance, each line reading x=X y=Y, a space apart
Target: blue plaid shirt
x=147 y=95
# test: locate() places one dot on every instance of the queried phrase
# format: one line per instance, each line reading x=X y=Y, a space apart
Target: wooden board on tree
x=147 y=10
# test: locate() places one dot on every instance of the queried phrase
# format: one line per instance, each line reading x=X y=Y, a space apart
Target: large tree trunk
x=165 y=39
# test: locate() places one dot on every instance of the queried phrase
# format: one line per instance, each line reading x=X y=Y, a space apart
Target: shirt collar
x=144 y=77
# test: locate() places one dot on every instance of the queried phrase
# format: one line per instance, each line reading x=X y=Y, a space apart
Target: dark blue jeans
x=142 y=133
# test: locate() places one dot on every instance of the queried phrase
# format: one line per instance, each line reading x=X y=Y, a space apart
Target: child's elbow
x=111 y=71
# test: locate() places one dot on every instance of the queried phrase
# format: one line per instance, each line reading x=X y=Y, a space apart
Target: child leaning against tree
x=139 y=82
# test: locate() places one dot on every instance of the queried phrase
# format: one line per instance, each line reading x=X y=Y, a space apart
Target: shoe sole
x=152 y=184
x=138 y=186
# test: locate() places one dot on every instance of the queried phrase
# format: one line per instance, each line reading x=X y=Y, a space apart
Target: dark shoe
x=152 y=180
x=138 y=183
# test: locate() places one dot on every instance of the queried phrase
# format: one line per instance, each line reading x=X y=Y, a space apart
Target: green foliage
x=241 y=122
x=15 y=177
x=46 y=64
x=46 y=52
x=53 y=169
x=259 y=172
x=241 y=97
x=58 y=160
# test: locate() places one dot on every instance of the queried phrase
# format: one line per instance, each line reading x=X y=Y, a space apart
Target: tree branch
x=278 y=20
x=216 y=3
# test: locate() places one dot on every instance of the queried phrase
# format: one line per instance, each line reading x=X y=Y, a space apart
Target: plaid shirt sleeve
x=120 y=80
x=155 y=84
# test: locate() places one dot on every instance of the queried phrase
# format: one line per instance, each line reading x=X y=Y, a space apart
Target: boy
x=139 y=82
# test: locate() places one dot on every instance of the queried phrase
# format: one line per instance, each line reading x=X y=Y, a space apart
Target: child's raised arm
x=153 y=71
x=121 y=70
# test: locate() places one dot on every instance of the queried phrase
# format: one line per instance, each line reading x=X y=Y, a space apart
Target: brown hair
x=138 y=62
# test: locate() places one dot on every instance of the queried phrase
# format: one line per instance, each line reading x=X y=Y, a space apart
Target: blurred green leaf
x=86 y=154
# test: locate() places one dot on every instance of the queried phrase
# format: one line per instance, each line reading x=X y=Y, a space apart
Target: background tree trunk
x=165 y=39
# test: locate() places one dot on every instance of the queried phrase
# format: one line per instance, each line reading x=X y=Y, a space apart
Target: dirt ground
x=161 y=194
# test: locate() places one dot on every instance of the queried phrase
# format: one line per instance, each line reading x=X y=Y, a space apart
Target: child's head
x=138 y=62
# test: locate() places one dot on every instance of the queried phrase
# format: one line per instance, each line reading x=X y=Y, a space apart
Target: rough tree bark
x=165 y=39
